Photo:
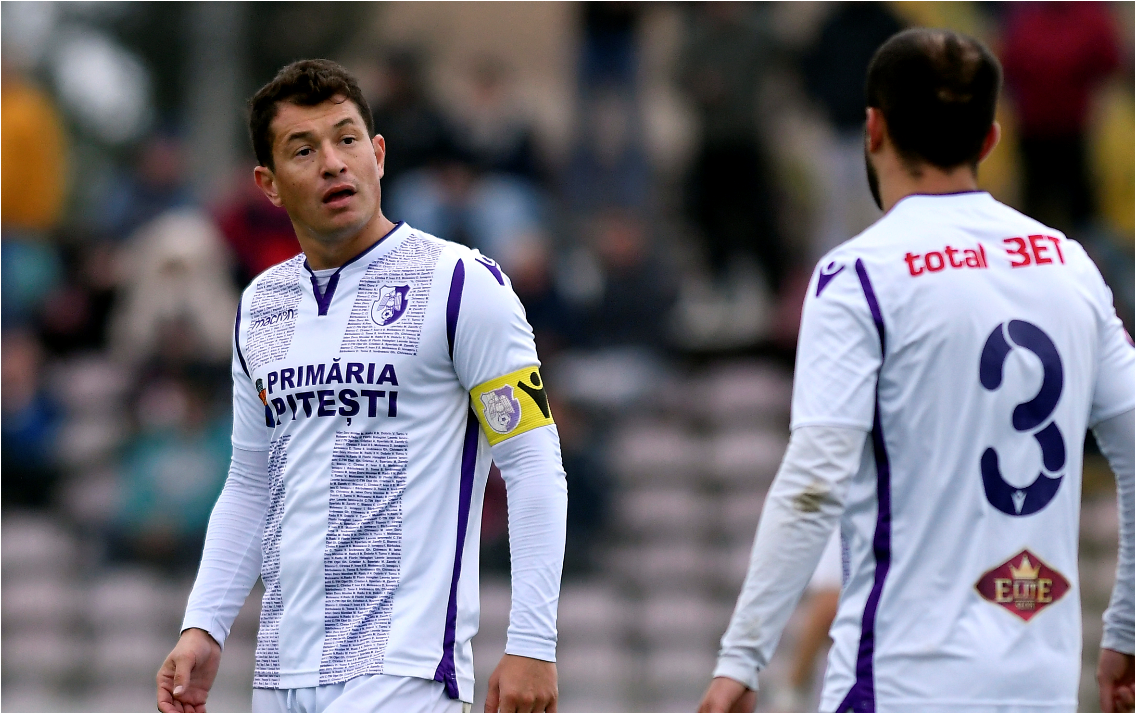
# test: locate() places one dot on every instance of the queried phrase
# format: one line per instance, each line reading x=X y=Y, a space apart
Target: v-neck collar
x=323 y=297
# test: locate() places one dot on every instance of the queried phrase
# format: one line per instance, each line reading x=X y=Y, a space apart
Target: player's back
x=961 y=526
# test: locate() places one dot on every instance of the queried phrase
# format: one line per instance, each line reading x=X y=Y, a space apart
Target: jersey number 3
x=1029 y=417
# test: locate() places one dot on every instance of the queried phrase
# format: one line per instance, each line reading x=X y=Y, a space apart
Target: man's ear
x=992 y=137
x=876 y=129
x=266 y=182
x=379 y=145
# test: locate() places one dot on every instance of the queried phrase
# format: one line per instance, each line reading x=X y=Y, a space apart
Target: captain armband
x=511 y=404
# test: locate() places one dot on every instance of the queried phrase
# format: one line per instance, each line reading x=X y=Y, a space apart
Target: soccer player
x=951 y=358
x=376 y=376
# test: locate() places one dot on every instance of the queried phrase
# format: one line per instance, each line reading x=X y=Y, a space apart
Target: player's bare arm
x=188 y=672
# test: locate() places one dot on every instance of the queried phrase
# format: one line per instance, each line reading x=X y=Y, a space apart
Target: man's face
x=327 y=169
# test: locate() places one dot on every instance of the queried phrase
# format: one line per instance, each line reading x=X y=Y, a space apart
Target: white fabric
x=230 y=562
x=364 y=694
x=799 y=516
x=374 y=459
x=934 y=411
x=829 y=570
x=323 y=276
x=1116 y=438
x=537 y=530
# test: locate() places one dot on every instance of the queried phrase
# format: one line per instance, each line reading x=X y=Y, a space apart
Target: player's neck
x=327 y=252
x=927 y=180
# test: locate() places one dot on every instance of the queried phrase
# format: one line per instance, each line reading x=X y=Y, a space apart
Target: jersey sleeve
x=494 y=351
x=839 y=352
x=1114 y=392
x=250 y=429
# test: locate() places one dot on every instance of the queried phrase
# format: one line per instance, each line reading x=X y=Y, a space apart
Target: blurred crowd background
x=658 y=180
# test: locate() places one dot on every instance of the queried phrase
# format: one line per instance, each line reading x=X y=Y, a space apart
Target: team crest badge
x=261 y=392
x=390 y=305
x=502 y=409
x=1024 y=585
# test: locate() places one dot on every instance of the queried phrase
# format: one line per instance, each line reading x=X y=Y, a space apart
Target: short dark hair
x=307 y=82
x=938 y=91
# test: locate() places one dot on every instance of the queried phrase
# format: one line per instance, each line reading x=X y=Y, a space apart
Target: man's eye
x=349 y=139
x=303 y=152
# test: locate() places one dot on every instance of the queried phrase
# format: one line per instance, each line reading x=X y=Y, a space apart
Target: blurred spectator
x=727 y=55
x=157 y=184
x=494 y=213
x=490 y=131
x=608 y=165
x=414 y=128
x=75 y=315
x=30 y=421
x=33 y=156
x=259 y=234
x=554 y=320
x=1055 y=56
x=637 y=293
x=32 y=195
x=609 y=53
x=172 y=472
x=589 y=486
x=177 y=301
x=835 y=72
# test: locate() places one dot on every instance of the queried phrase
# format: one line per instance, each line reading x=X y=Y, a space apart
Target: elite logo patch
x=511 y=404
x=502 y=410
x=1024 y=585
x=390 y=305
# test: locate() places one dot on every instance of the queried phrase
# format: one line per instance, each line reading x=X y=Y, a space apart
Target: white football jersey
x=977 y=346
x=367 y=394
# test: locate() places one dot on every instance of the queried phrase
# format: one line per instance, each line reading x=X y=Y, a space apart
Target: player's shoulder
x=279 y=275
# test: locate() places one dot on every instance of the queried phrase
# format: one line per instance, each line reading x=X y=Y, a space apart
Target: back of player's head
x=938 y=91
x=307 y=82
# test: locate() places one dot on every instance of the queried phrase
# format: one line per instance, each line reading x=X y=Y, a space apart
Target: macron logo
x=827 y=274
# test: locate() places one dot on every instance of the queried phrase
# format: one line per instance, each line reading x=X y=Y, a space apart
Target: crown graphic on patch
x=1027 y=570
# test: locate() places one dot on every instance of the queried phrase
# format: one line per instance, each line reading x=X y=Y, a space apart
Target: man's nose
x=333 y=163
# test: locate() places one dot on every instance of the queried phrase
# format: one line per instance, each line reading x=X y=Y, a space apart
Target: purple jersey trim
x=861 y=697
x=453 y=307
x=323 y=300
x=236 y=341
x=446 y=670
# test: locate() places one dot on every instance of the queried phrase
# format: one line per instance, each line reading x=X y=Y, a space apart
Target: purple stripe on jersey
x=446 y=670
x=324 y=299
x=861 y=697
x=453 y=307
x=236 y=342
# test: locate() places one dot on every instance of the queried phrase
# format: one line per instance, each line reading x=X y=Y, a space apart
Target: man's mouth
x=338 y=195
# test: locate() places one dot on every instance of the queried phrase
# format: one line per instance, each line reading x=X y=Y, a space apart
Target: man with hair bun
x=951 y=359
x=361 y=447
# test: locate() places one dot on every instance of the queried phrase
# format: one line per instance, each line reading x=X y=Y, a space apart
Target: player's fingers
x=183 y=667
x=1107 y=697
x=492 y=698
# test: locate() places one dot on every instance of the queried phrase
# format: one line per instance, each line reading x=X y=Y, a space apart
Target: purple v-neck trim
x=323 y=298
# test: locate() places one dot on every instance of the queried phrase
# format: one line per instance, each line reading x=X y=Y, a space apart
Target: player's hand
x=187 y=675
x=1116 y=676
x=728 y=696
x=522 y=685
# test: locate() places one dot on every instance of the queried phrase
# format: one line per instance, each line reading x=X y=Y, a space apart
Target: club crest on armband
x=502 y=409
x=261 y=392
x=390 y=305
x=1023 y=585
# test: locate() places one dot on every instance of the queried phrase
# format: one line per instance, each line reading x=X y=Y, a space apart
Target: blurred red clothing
x=1055 y=54
x=259 y=233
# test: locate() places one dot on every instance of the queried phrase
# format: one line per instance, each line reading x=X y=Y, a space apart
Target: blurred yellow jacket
x=33 y=174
